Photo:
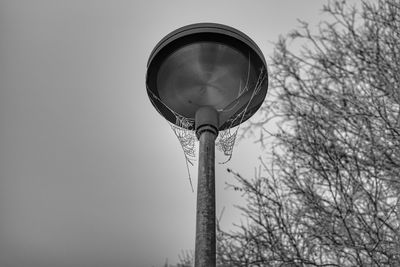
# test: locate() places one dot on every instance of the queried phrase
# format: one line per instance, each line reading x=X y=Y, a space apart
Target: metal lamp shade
x=205 y=65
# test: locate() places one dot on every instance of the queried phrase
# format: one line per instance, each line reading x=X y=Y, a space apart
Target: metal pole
x=205 y=224
x=205 y=247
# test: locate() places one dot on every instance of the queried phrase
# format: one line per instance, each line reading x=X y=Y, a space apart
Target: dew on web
x=226 y=139
x=184 y=127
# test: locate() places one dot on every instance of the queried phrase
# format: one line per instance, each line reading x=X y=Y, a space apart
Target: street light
x=214 y=77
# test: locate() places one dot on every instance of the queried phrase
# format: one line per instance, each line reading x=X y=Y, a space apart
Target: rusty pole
x=206 y=131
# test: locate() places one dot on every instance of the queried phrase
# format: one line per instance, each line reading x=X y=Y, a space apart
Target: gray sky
x=90 y=173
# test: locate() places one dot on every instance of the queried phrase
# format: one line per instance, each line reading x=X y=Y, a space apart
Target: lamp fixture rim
x=205 y=27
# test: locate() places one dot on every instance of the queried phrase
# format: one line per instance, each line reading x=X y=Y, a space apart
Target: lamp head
x=206 y=64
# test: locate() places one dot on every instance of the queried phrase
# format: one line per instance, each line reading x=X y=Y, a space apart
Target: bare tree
x=329 y=195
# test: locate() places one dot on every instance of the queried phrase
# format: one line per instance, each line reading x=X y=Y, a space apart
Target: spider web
x=226 y=139
x=181 y=130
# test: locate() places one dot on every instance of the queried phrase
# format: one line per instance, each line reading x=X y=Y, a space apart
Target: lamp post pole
x=193 y=72
x=206 y=131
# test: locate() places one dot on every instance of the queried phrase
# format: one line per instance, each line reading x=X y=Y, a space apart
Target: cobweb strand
x=227 y=138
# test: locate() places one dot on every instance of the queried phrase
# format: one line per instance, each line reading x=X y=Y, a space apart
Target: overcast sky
x=90 y=173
